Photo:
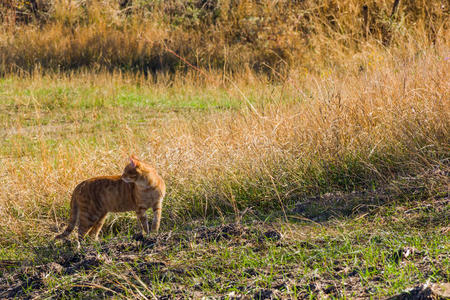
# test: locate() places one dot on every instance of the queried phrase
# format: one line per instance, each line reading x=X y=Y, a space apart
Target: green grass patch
x=368 y=256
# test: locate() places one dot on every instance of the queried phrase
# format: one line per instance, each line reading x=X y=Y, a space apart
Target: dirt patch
x=15 y=283
x=425 y=292
x=264 y=294
x=225 y=231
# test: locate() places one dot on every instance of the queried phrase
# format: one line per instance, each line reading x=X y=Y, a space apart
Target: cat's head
x=134 y=171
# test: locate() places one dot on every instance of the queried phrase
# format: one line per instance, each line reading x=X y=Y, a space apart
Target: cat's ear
x=134 y=161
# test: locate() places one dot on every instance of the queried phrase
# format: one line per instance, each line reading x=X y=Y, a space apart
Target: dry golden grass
x=223 y=35
x=259 y=144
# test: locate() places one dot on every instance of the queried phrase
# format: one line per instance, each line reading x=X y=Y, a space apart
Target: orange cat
x=139 y=188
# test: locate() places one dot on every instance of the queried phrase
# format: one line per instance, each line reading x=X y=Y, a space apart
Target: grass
x=292 y=172
x=256 y=144
x=340 y=258
x=221 y=35
x=348 y=171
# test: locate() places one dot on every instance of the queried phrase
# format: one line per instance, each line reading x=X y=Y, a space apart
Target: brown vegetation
x=340 y=131
x=225 y=35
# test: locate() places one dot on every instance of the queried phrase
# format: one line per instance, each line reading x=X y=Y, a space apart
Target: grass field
x=321 y=188
x=314 y=171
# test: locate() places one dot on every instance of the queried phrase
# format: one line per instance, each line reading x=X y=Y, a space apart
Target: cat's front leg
x=156 y=219
x=143 y=220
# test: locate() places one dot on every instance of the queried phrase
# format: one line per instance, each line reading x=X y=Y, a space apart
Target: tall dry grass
x=384 y=120
x=267 y=36
x=360 y=100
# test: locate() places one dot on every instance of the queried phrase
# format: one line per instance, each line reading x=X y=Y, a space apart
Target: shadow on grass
x=408 y=191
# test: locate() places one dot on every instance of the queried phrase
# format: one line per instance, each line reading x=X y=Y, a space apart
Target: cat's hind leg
x=74 y=214
x=95 y=230
x=86 y=224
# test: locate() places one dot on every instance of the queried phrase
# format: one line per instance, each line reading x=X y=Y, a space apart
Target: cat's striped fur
x=137 y=189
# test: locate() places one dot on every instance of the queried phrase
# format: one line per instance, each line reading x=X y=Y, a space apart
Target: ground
x=378 y=248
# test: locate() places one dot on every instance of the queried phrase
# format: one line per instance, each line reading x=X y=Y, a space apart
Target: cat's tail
x=74 y=212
